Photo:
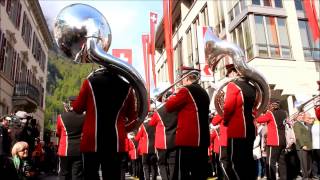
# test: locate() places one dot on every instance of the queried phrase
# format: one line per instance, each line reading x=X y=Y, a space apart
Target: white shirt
x=315 y=130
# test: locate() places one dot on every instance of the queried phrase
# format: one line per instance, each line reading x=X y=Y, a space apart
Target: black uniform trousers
x=217 y=166
x=305 y=158
x=166 y=163
x=276 y=154
x=192 y=163
x=149 y=163
x=237 y=159
x=70 y=167
x=110 y=165
x=316 y=163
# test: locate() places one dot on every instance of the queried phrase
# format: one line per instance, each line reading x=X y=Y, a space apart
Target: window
x=236 y=10
x=204 y=14
x=178 y=56
x=248 y=39
x=261 y=40
x=243 y=4
x=299 y=5
x=26 y=30
x=189 y=48
x=271 y=37
x=241 y=36
x=270 y=3
x=284 y=39
x=9 y=59
x=195 y=38
x=310 y=48
x=14 y=12
x=267 y=2
x=3 y=42
x=278 y=3
x=256 y=2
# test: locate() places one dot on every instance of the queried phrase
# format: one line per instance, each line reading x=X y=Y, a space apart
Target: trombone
x=159 y=95
x=306 y=106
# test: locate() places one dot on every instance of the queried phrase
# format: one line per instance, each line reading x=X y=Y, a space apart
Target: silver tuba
x=215 y=50
x=84 y=35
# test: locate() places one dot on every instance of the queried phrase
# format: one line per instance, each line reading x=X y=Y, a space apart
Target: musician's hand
x=305 y=148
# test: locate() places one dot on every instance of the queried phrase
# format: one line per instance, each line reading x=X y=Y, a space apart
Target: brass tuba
x=215 y=50
x=84 y=35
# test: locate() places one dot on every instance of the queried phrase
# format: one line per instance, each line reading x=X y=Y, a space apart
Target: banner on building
x=202 y=33
x=123 y=54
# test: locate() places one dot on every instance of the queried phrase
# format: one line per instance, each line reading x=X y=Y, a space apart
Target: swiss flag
x=123 y=54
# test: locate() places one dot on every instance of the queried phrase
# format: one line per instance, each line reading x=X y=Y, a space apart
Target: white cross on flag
x=123 y=54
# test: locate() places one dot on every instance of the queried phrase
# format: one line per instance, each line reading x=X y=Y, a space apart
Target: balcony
x=26 y=97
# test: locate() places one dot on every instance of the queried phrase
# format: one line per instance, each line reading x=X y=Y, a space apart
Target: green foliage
x=64 y=80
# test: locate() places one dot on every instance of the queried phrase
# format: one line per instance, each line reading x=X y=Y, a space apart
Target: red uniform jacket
x=145 y=137
x=133 y=153
x=317 y=110
x=215 y=140
x=192 y=104
x=238 y=109
x=276 y=128
x=223 y=135
x=68 y=130
x=166 y=125
x=109 y=104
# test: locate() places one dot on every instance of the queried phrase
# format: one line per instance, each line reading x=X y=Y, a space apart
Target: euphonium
x=215 y=49
x=83 y=34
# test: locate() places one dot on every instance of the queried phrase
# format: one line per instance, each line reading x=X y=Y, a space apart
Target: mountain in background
x=64 y=79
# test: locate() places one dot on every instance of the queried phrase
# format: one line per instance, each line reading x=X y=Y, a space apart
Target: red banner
x=145 y=46
x=311 y=13
x=123 y=54
x=153 y=22
x=167 y=23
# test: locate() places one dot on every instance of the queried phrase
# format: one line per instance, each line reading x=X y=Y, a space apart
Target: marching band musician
x=110 y=105
x=145 y=136
x=68 y=130
x=191 y=102
x=238 y=117
x=166 y=125
x=220 y=145
x=276 y=140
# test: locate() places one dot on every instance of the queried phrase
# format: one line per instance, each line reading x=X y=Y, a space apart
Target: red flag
x=312 y=18
x=123 y=54
x=167 y=23
x=153 y=22
x=145 y=42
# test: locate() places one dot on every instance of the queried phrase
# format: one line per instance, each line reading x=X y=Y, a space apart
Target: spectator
x=304 y=143
x=5 y=143
x=24 y=168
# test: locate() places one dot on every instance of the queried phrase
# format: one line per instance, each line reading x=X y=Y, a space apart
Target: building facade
x=25 y=41
x=274 y=34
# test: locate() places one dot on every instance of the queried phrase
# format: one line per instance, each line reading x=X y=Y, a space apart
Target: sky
x=128 y=20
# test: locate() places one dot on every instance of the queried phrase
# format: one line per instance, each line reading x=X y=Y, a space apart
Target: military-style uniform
x=276 y=142
x=69 y=128
x=146 y=135
x=166 y=125
x=192 y=134
x=238 y=118
x=109 y=104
